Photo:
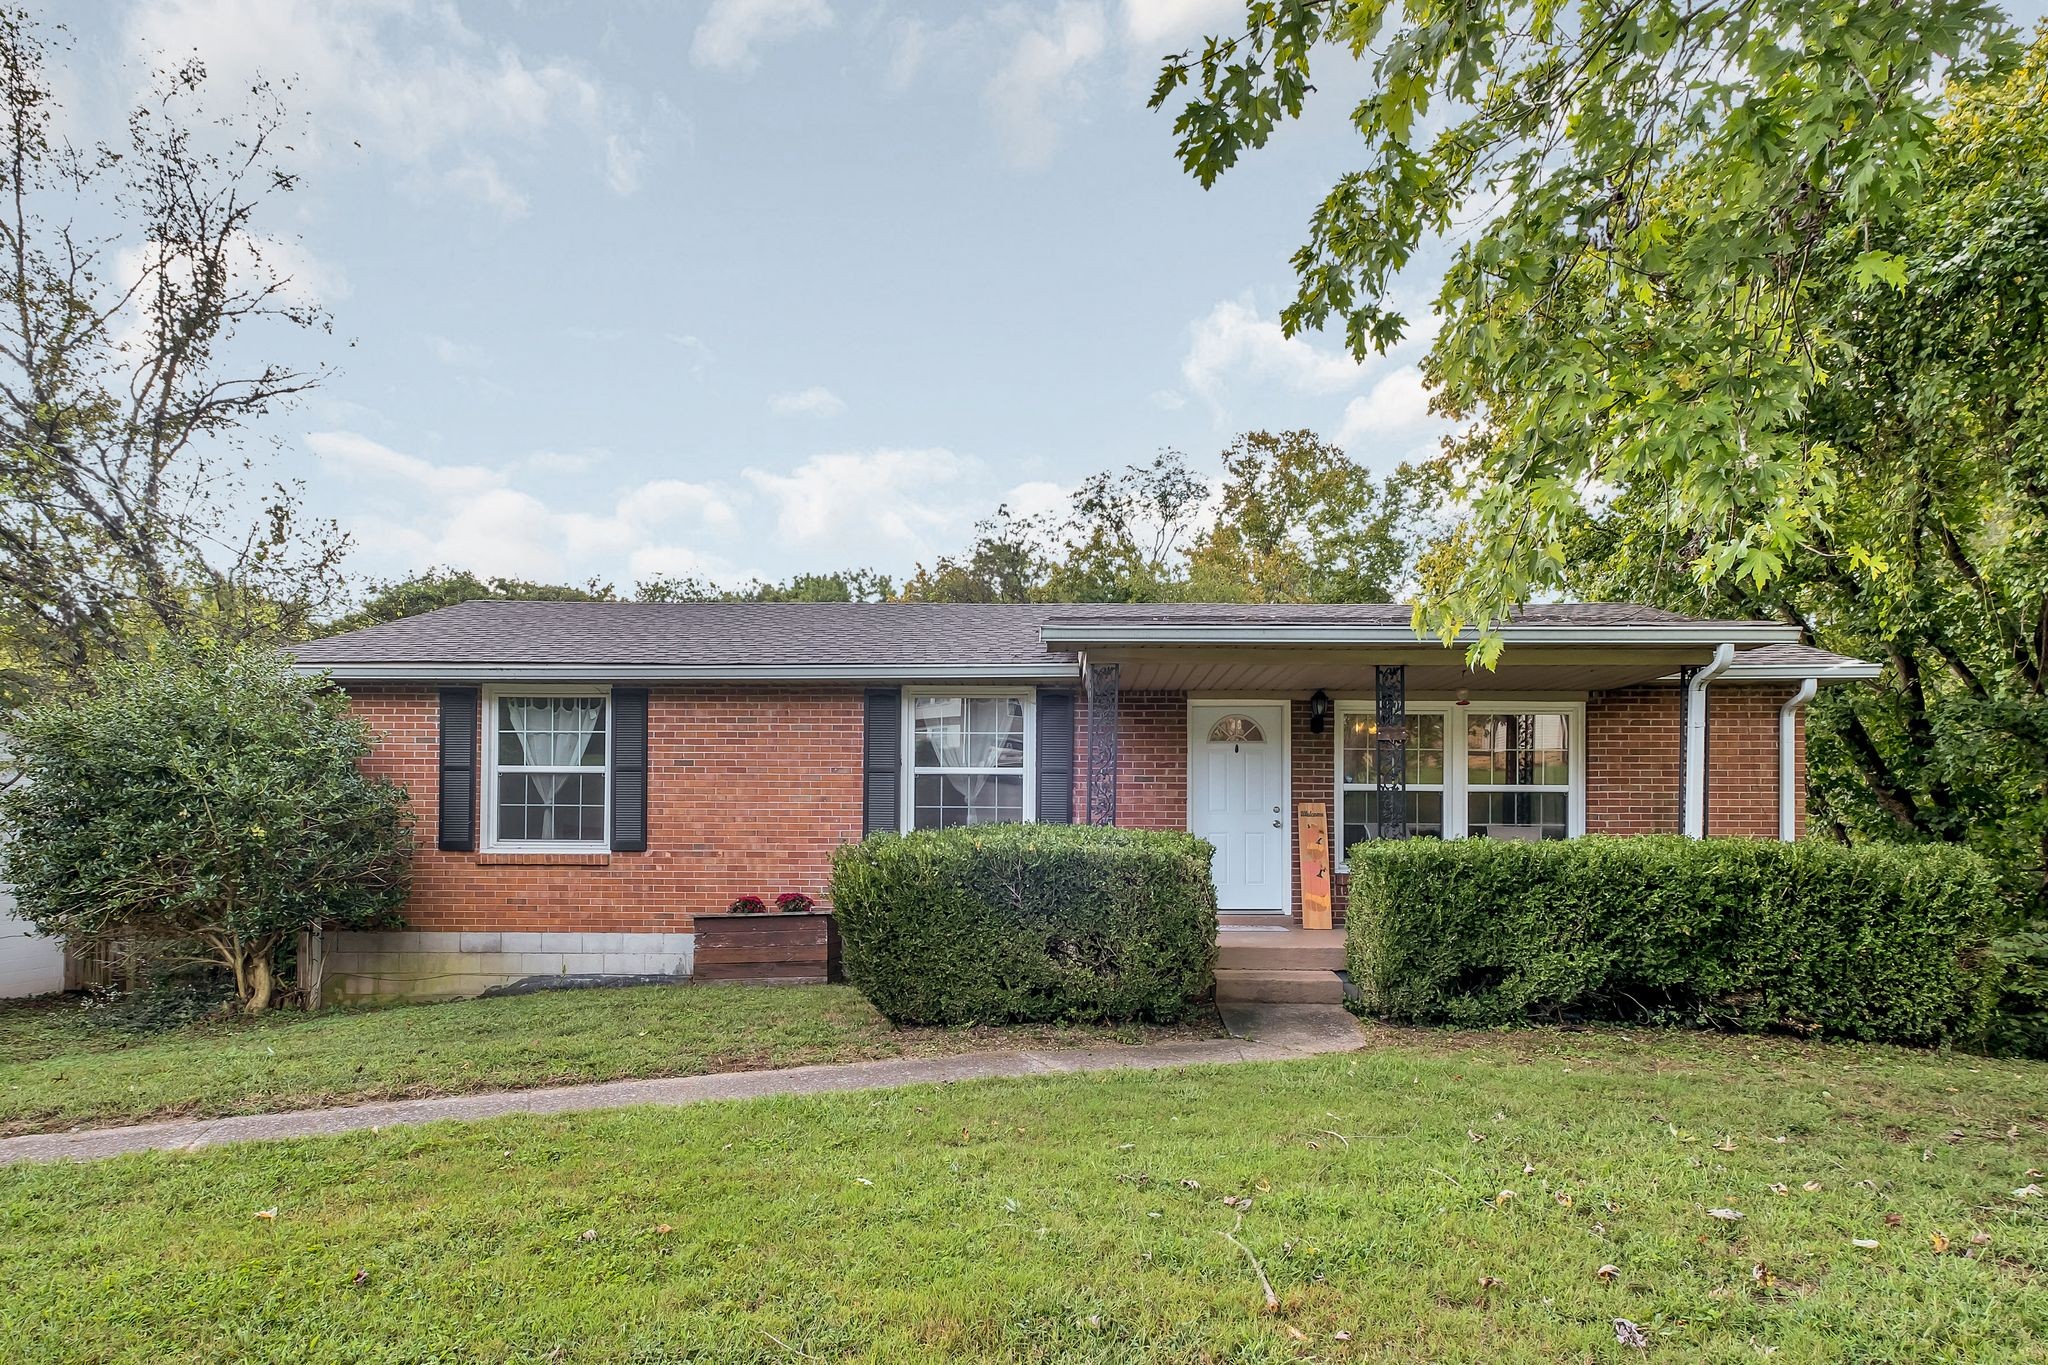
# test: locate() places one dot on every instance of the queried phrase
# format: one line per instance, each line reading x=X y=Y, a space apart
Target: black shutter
x=629 y=770
x=457 y=832
x=1056 y=758
x=882 y=761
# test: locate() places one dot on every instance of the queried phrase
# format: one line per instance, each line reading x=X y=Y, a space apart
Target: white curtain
x=984 y=732
x=553 y=732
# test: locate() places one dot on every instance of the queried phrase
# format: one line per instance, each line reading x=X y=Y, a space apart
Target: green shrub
x=204 y=796
x=1872 y=942
x=1028 y=923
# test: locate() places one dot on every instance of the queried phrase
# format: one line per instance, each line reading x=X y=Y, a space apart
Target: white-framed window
x=968 y=754
x=547 y=769
x=1500 y=768
x=1358 y=773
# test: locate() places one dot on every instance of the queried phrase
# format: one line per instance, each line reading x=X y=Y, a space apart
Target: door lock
x=1276 y=824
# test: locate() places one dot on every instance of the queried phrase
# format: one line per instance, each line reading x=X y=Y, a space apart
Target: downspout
x=1695 y=796
x=1788 y=730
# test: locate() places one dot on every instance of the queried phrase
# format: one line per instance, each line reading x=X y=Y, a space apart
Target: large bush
x=1871 y=942
x=205 y=796
x=1028 y=922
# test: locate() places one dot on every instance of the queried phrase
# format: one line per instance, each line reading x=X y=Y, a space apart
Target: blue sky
x=751 y=287
x=756 y=286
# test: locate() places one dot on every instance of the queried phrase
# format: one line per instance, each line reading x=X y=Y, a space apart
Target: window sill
x=601 y=859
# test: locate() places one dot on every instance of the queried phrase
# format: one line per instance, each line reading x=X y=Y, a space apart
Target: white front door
x=1237 y=799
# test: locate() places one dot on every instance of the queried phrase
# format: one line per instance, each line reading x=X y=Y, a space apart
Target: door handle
x=1276 y=824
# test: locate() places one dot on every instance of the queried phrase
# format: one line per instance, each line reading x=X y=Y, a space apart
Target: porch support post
x=1102 y=733
x=1390 y=749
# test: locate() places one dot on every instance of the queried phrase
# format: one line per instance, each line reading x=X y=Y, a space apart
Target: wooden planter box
x=789 y=948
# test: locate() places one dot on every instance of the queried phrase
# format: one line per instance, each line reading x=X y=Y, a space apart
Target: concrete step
x=1289 y=987
x=1267 y=950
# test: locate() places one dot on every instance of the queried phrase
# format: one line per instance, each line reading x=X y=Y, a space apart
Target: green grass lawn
x=1082 y=1219
x=57 y=1069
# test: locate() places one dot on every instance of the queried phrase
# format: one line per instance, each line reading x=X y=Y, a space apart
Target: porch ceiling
x=1274 y=671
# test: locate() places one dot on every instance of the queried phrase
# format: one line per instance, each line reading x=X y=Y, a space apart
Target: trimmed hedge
x=1872 y=942
x=1028 y=923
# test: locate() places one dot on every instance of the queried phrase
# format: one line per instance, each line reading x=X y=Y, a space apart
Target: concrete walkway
x=1258 y=1033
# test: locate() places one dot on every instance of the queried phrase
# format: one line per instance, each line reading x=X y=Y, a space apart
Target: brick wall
x=1152 y=760
x=1632 y=760
x=749 y=790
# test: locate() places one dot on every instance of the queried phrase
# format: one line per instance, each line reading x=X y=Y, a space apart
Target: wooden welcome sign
x=1312 y=819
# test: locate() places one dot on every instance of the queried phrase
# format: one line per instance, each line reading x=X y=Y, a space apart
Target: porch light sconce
x=1318 y=711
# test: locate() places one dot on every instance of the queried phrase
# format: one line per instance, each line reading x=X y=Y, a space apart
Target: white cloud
x=473 y=517
x=405 y=78
x=816 y=401
x=1236 y=342
x=1042 y=74
x=892 y=490
x=913 y=40
x=1177 y=21
x=479 y=179
x=733 y=29
x=1395 y=411
x=455 y=354
x=548 y=515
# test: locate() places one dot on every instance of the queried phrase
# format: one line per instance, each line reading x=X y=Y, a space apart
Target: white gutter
x=1788 y=723
x=433 y=672
x=1065 y=636
x=1695 y=797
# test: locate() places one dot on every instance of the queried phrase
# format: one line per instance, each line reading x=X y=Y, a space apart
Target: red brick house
x=589 y=776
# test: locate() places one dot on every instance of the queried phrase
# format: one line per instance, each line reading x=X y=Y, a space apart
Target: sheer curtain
x=552 y=734
x=986 y=732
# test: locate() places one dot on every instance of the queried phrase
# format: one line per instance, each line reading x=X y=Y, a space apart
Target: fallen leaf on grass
x=1476 y=1137
x=1726 y=1144
x=1489 y=1282
x=1892 y=1220
x=1761 y=1273
x=1867 y=1243
x=662 y=1229
x=1628 y=1334
x=1295 y=1333
x=1564 y=1201
x=361 y=1279
x=1939 y=1242
x=1341 y=1336
x=1980 y=1239
x=588 y=1235
x=1191 y=1184
x=1725 y=1215
x=267 y=1215
x=1811 y=1187
x=862 y=1180
x=1607 y=1274
x=1779 y=1189
x=2027 y=1192
x=1503 y=1197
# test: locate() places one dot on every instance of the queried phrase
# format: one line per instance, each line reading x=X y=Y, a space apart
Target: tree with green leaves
x=135 y=277
x=432 y=589
x=843 y=585
x=1931 y=552
x=204 y=796
x=1687 y=163
x=1299 y=521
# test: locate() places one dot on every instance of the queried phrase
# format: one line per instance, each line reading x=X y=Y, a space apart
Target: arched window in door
x=1236 y=730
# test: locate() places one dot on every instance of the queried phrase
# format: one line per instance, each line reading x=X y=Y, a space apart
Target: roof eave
x=1752 y=633
x=1052 y=671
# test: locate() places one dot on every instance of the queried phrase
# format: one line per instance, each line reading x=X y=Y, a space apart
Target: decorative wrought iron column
x=1390 y=749
x=1102 y=732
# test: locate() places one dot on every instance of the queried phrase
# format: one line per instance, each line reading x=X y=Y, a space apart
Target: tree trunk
x=257 y=998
